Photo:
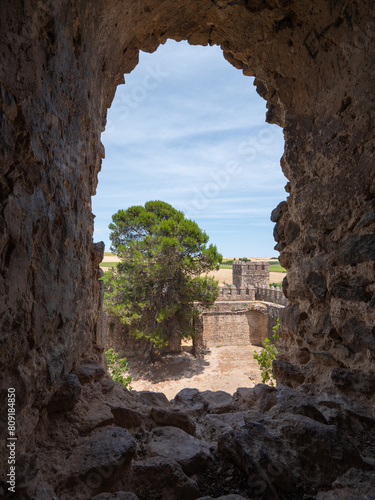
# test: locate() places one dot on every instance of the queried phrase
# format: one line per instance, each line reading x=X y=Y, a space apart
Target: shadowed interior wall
x=234 y=328
x=238 y=323
x=60 y=63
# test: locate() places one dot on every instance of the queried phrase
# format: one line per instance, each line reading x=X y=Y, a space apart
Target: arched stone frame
x=60 y=65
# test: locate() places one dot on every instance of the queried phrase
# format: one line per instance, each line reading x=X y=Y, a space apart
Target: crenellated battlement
x=234 y=293
x=270 y=294
x=259 y=292
x=250 y=273
x=251 y=282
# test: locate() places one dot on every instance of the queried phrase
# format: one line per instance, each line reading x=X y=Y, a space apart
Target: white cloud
x=176 y=136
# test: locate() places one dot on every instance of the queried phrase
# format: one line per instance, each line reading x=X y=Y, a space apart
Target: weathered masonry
x=227 y=323
x=245 y=312
x=314 y=64
x=250 y=273
x=240 y=316
x=239 y=323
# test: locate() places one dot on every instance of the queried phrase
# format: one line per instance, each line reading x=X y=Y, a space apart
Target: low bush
x=117 y=367
x=267 y=355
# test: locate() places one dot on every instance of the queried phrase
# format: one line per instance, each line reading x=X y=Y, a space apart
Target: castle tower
x=250 y=273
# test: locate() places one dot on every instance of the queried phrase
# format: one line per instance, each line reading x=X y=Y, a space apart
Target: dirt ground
x=110 y=258
x=220 y=368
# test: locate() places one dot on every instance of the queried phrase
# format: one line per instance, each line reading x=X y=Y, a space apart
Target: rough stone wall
x=270 y=294
x=60 y=66
x=233 y=293
x=121 y=341
x=249 y=292
x=60 y=63
x=242 y=323
x=227 y=323
x=51 y=100
x=250 y=273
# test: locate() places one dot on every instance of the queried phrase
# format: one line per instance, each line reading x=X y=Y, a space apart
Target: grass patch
x=276 y=268
x=108 y=264
x=225 y=267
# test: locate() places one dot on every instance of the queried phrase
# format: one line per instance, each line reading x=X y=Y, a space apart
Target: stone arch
x=59 y=69
x=301 y=64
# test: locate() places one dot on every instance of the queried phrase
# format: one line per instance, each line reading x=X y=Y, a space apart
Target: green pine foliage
x=157 y=287
x=117 y=368
x=267 y=355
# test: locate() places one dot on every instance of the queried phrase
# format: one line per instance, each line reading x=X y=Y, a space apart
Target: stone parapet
x=270 y=294
x=249 y=273
x=259 y=292
x=234 y=293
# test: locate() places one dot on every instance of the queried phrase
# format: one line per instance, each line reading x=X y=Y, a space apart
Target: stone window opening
x=139 y=94
x=59 y=67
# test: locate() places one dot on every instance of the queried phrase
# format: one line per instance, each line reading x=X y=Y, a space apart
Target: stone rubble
x=277 y=444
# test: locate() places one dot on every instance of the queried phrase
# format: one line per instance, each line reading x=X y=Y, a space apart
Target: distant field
x=108 y=264
x=111 y=260
x=277 y=268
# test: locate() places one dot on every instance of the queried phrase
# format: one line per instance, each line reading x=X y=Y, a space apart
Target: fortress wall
x=249 y=292
x=240 y=323
x=250 y=273
x=233 y=328
x=270 y=294
x=234 y=293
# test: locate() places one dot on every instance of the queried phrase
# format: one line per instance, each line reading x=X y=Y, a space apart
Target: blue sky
x=189 y=129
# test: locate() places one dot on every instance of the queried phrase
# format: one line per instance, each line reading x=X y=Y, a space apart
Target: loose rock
x=293 y=450
x=162 y=477
x=150 y=398
x=110 y=449
x=170 y=442
x=67 y=395
x=173 y=418
x=127 y=418
x=89 y=370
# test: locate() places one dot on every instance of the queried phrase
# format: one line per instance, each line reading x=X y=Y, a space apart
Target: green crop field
x=276 y=268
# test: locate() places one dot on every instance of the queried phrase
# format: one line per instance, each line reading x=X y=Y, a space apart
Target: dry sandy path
x=110 y=258
x=220 y=368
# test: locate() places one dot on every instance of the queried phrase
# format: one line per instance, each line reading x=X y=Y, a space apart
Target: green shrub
x=116 y=368
x=267 y=355
x=278 y=285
